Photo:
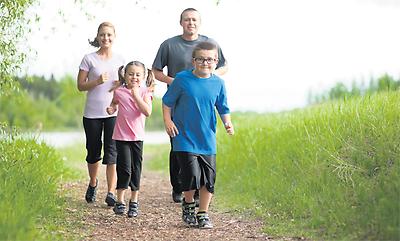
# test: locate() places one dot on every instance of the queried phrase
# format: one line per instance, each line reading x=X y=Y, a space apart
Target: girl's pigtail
x=150 y=83
x=120 y=81
x=121 y=74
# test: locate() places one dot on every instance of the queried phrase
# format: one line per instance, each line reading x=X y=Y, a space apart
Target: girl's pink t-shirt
x=130 y=122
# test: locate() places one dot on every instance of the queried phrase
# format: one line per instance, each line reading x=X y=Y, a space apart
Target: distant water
x=62 y=139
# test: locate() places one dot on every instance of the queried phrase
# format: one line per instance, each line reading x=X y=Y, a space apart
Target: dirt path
x=159 y=218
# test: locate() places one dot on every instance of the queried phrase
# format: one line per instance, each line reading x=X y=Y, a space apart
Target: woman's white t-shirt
x=99 y=98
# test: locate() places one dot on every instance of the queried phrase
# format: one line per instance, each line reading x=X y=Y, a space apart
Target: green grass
x=30 y=175
x=74 y=160
x=159 y=156
x=326 y=172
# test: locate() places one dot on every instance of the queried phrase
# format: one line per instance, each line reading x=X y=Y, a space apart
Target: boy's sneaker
x=204 y=221
x=110 y=199
x=197 y=197
x=133 y=209
x=91 y=193
x=188 y=213
x=119 y=208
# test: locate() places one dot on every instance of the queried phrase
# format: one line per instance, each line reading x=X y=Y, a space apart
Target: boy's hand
x=229 y=128
x=171 y=129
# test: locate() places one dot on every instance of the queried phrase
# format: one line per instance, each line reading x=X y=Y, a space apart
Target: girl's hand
x=135 y=89
x=229 y=128
x=115 y=85
x=111 y=110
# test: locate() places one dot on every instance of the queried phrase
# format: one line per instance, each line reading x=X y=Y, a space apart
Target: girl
x=96 y=74
x=133 y=101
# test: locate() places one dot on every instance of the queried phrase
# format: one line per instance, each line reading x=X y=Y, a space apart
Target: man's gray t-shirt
x=176 y=54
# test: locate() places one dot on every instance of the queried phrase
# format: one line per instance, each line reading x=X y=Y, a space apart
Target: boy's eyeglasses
x=201 y=60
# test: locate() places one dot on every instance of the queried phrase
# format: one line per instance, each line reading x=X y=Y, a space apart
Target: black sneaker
x=119 y=208
x=197 y=197
x=133 y=209
x=203 y=221
x=91 y=193
x=110 y=199
x=177 y=196
x=188 y=215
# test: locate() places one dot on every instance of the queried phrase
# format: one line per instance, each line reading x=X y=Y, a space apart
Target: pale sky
x=277 y=50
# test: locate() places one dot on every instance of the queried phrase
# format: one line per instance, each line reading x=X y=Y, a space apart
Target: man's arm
x=160 y=76
x=221 y=70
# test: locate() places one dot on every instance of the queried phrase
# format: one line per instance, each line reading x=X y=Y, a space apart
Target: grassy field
x=327 y=172
x=30 y=175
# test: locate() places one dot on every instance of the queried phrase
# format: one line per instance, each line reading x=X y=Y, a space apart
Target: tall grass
x=29 y=176
x=327 y=172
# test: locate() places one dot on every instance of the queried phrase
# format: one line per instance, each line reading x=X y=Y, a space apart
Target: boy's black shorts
x=197 y=170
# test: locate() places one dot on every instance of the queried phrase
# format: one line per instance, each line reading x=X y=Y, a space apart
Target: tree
x=14 y=26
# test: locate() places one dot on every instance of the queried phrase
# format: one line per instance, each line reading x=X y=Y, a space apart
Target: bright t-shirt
x=193 y=101
x=130 y=122
x=99 y=98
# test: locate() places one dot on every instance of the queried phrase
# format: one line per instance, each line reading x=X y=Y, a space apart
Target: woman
x=97 y=73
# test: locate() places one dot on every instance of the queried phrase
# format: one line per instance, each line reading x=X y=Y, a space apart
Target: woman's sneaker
x=119 y=208
x=133 y=209
x=90 y=195
x=203 y=221
x=110 y=199
x=188 y=216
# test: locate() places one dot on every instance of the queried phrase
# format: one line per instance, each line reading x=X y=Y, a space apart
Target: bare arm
x=113 y=107
x=144 y=104
x=226 y=119
x=221 y=70
x=159 y=75
x=84 y=85
x=170 y=127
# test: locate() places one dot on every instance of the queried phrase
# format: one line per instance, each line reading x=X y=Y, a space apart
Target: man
x=176 y=54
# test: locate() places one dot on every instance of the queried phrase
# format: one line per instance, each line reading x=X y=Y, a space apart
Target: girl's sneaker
x=204 y=221
x=188 y=216
x=119 y=208
x=133 y=209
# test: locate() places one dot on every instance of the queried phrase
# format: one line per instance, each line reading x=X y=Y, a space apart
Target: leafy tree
x=14 y=26
x=340 y=91
x=71 y=101
x=39 y=86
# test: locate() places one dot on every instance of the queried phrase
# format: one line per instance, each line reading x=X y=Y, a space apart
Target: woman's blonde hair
x=95 y=42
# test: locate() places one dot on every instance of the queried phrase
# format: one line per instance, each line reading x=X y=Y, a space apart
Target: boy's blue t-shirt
x=193 y=101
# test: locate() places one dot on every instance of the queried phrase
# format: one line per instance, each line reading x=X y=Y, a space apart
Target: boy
x=175 y=54
x=193 y=96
